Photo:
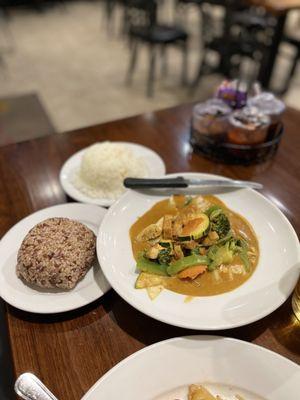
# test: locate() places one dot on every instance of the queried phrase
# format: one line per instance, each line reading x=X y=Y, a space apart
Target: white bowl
x=164 y=370
x=269 y=286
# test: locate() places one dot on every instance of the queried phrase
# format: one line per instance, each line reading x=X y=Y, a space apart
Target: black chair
x=7 y=37
x=242 y=32
x=109 y=8
x=143 y=28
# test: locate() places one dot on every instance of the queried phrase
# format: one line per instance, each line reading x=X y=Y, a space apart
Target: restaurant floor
x=66 y=56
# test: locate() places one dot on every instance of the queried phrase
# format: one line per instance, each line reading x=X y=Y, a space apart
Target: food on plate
x=199 y=392
x=103 y=168
x=208 y=391
x=56 y=253
x=194 y=246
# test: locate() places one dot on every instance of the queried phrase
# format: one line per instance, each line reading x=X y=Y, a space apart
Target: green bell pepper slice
x=186 y=262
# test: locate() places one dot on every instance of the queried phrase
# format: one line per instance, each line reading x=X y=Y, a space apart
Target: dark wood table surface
x=71 y=351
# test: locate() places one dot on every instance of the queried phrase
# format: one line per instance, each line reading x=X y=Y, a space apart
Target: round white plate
x=269 y=286
x=155 y=165
x=46 y=301
x=164 y=370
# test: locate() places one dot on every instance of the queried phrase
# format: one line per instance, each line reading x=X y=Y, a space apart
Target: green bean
x=145 y=265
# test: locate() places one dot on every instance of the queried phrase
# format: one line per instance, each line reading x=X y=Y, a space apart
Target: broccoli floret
x=219 y=255
x=224 y=254
x=196 y=251
x=164 y=256
x=240 y=246
x=218 y=221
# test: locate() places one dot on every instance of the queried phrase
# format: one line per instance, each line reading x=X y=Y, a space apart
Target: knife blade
x=180 y=182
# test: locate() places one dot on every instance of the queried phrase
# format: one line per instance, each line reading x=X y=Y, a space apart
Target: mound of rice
x=57 y=252
x=104 y=167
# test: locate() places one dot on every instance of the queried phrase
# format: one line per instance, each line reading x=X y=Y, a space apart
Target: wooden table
x=69 y=352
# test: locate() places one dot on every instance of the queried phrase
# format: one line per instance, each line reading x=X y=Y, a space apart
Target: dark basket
x=217 y=150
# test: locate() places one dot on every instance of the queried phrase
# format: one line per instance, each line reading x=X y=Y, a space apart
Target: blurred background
x=69 y=64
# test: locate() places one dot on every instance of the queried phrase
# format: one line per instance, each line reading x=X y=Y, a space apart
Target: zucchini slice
x=195 y=228
x=168 y=244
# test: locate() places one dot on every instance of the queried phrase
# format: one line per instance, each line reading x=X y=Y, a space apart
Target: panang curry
x=195 y=246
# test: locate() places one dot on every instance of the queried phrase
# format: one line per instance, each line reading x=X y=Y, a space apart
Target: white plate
x=170 y=366
x=155 y=165
x=269 y=286
x=46 y=301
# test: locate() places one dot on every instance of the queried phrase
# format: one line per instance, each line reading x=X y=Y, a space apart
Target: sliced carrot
x=192 y=272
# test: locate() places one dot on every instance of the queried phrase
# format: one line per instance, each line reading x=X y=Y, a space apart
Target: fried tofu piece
x=154 y=291
x=167 y=226
x=151 y=231
x=198 y=392
x=153 y=252
x=178 y=253
x=190 y=245
x=154 y=284
x=146 y=280
x=177 y=227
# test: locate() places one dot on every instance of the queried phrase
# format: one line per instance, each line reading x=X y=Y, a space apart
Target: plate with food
x=200 y=368
x=48 y=260
x=95 y=174
x=199 y=261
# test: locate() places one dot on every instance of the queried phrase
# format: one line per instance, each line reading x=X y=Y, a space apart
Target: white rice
x=103 y=168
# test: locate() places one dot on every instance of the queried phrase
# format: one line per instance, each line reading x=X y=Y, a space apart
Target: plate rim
x=204 y=338
x=83 y=198
x=214 y=327
x=13 y=228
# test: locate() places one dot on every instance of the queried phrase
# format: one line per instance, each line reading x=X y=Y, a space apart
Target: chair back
x=236 y=22
x=141 y=12
x=212 y=23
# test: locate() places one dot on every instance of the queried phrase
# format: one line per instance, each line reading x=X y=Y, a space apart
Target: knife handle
x=134 y=183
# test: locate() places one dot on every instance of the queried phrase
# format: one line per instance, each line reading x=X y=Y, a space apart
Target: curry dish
x=195 y=246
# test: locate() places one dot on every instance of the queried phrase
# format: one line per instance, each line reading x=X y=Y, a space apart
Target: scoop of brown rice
x=57 y=252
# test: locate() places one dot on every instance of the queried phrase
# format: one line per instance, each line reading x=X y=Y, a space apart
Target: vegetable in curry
x=194 y=246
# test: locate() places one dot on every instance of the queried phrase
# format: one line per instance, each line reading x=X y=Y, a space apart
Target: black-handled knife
x=180 y=182
x=135 y=183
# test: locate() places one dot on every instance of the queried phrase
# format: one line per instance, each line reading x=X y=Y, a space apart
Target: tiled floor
x=66 y=56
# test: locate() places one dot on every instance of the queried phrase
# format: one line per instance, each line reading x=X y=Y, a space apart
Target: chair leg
x=164 y=61
x=2 y=62
x=125 y=22
x=132 y=63
x=291 y=73
x=151 y=75
x=109 y=13
x=184 y=71
x=200 y=72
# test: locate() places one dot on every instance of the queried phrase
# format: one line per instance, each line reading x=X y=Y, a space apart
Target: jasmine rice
x=103 y=168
